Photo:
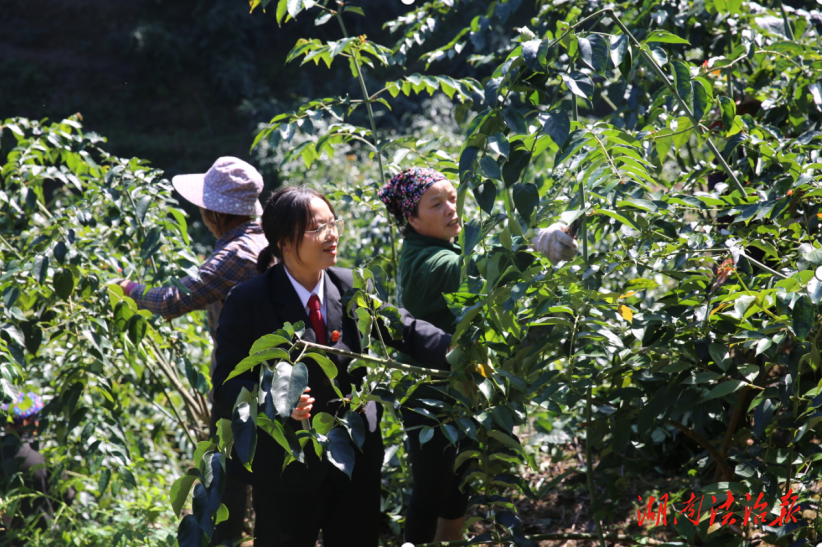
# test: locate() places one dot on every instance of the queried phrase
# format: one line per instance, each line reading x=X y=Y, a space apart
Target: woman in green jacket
x=424 y=203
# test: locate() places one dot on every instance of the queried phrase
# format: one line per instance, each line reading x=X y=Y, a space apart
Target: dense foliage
x=682 y=341
x=125 y=391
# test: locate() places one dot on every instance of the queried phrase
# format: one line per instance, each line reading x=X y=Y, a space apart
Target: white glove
x=555 y=244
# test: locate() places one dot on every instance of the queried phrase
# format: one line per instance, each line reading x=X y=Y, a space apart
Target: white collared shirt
x=304 y=294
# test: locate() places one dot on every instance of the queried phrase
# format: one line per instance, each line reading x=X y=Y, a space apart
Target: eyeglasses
x=324 y=231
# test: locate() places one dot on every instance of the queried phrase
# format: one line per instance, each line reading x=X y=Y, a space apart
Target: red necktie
x=316 y=318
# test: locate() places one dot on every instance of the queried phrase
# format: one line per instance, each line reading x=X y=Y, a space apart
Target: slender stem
x=148 y=397
x=388 y=363
x=367 y=100
x=783 y=276
x=583 y=229
x=589 y=463
x=682 y=103
x=196 y=413
x=485 y=483
x=785 y=21
x=374 y=316
x=11 y=248
x=720 y=461
x=756 y=297
x=141 y=227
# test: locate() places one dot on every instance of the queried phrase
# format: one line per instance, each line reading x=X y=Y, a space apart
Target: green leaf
x=618 y=48
x=468 y=427
x=502 y=416
x=325 y=363
x=294 y=7
x=719 y=354
x=105 y=477
x=244 y=427
x=222 y=515
x=340 y=451
x=365 y=323
x=486 y=195
x=450 y=432
x=576 y=140
x=323 y=18
x=723 y=389
x=252 y=361
x=664 y=36
x=60 y=251
x=619 y=218
x=516 y=164
x=151 y=244
x=534 y=54
x=556 y=125
x=682 y=80
x=10 y=295
x=323 y=422
x=287 y=387
x=640 y=284
x=499 y=144
x=142 y=207
x=467 y=159
x=426 y=434
x=804 y=313
x=63 y=283
x=353 y=422
x=728 y=108
x=354 y=9
x=189 y=533
x=506 y=440
x=470 y=236
x=593 y=50
x=200 y=509
x=40 y=268
x=127 y=476
x=658 y=54
x=700 y=100
x=491 y=168
x=526 y=199
x=283 y=435
x=580 y=84
x=122 y=313
x=267 y=341
x=137 y=327
x=282 y=7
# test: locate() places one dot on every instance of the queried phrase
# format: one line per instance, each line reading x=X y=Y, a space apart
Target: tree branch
x=720 y=461
x=387 y=363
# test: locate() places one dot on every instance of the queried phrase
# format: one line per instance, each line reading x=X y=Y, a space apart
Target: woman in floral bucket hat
x=228 y=198
x=424 y=204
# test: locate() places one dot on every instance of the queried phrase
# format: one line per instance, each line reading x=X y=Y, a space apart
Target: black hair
x=224 y=219
x=403 y=225
x=286 y=217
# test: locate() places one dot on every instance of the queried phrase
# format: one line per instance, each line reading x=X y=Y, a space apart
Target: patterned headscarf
x=404 y=191
x=27 y=405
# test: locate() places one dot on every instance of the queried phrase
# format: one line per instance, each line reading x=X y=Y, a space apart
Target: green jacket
x=428 y=268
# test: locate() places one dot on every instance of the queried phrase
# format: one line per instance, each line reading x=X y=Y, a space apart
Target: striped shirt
x=233 y=261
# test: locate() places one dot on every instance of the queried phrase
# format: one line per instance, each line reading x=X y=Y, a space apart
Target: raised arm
x=421 y=340
x=218 y=275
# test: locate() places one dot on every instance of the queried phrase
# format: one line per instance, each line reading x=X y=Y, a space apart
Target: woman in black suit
x=294 y=503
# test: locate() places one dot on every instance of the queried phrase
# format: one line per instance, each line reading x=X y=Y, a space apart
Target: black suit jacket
x=262 y=305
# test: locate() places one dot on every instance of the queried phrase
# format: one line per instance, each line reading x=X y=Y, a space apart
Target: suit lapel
x=333 y=309
x=284 y=299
